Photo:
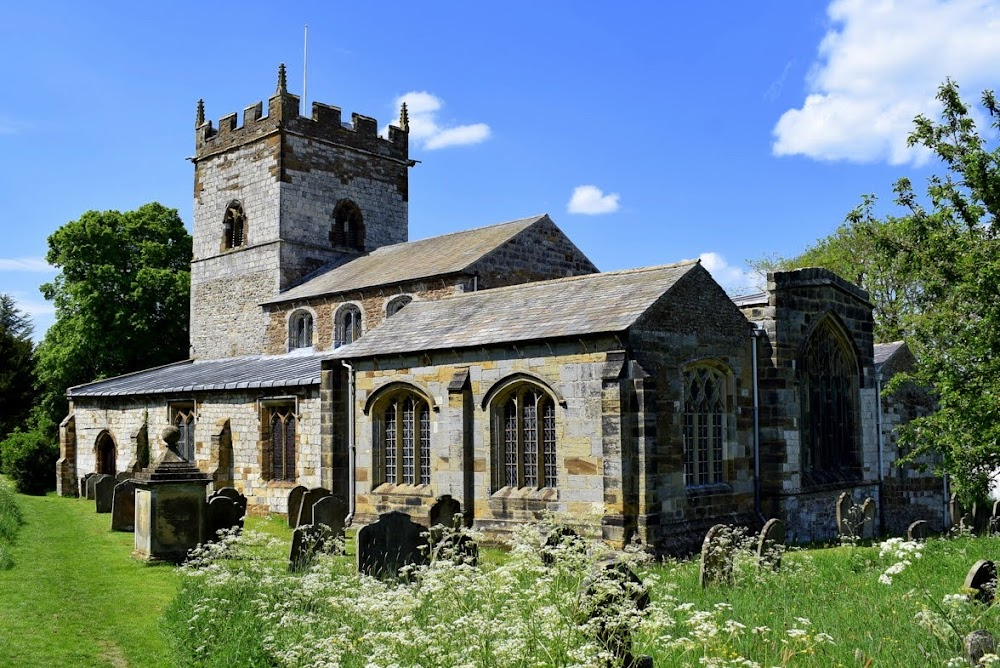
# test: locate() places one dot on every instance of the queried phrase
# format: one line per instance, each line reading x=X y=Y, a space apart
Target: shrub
x=29 y=460
x=10 y=524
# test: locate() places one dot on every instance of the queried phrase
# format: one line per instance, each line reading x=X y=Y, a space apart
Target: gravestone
x=770 y=544
x=92 y=482
x=608 y=596
x=447 y=512
x=330 y=512
x=845 y=515
x=959 y=517
x=123 y=476
x=560 y=540
x=309 y=499
x=919 y=530
x=717 y=553
x=457 y=548
x=868 y=512
x=995 y=518
x=389 y=544
x=295 y=504
x=123 y=507
x=976 y=645
x=223 y=514
x=83 y=484
x=104 y=493
x=232 y=494
x=982 y=579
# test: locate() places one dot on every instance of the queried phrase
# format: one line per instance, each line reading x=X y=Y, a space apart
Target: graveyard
x=271 y=595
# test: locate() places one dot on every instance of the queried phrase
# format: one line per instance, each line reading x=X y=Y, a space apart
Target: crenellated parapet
x=325 y=125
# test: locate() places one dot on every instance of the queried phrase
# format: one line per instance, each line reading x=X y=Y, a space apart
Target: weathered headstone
x=956 y=512
x=845 y=512
x=982 y=579
x=83 y=484
x=295 y=504
x=995 y=518
x=306 y=542
x=104 y=493
x=123 y=507
x=330 y=512
x=389 y=544
x=868 y=512
x=609 y=593
x=232 y=494
x=92 y=482
x=223 y=514
x=978 y=644
x=771 y=544
x=309 y=499
x=447 y=512
x=919 y=530
x=717 y=553
x=560 y=540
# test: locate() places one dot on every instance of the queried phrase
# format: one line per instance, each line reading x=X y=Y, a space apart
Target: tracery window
x=300 y=330
x=524 y=438
x=705 y=408
x=830 y=395
x=182 y=417
x=348 y=228
x=234 y=226
x=279 y=440
x=397 y=304
x=403 y=439
x=347 y=327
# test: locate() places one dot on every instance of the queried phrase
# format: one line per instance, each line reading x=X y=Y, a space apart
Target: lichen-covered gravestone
x=83 y=484
x=978 y=644
x=868 y=512
x=771 y=544
x=610 y=594
x=123 y=507
x=295 y=505
x=389 y=544
x=308 y=500
x=919 y=530
x=329 y=515
x=845 y=512
x=561 y=541
x=717 y=553
x=92 y=483
x=104 y=493
x=224 y=514
x=982 y=581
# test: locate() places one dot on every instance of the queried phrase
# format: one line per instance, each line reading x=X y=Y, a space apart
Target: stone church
x=496 y=365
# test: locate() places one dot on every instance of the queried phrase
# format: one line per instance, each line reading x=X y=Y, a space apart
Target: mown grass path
x=75 y=597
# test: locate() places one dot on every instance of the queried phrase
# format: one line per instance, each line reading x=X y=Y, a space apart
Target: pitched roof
x=574 y=306
x=231 y=373
x=885 y=351
x=413 y=260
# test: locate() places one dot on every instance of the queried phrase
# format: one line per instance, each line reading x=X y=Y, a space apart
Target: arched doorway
x=105 y=454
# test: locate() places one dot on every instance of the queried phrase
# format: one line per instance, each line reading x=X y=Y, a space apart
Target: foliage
x=17 y=370
x=29 y=460
x=10 y=523
x=121 y=299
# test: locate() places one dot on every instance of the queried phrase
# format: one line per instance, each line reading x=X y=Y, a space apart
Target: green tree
x=17 y=369
x=948 y=247
x=121 y=299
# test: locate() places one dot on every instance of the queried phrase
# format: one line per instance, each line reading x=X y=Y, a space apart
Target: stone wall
x=124 y=419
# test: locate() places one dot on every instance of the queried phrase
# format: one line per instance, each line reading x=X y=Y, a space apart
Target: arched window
x=234 y=226
x=106 y=454
x=705 y=412
x=300 y=330
x=347 y=327
x=348 y=229
x=396 y=304
x=279 y=441
x=403 y=440
x=182 y=417
x=829 y=375
x=524 y=438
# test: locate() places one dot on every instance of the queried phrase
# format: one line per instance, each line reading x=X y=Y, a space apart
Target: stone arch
x=234 y=226
x=523 y=433
x=399 y=386
x=300 y=328
x=394 y=305
x=347 y=324
x=106 y=451
x=517 y=378
x=348 y=228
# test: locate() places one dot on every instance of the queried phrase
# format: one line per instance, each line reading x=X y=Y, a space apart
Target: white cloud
x=426 y=128
x=733 y=280
x=591 y=201
x=34 y=264
x=879 y=65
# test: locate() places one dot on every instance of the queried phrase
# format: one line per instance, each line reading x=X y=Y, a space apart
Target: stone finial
x=171 y=436
x=199 y=118
x=404 y=118
x=282 y=83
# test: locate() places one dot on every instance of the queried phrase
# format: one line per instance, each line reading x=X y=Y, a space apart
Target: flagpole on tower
x=305 y=65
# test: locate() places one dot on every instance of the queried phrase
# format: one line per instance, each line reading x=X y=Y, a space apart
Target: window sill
x=541 y=494
x=280 y=484
x=711 y=489
x=390 y=489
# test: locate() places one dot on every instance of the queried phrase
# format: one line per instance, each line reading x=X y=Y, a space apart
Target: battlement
x=325 y=124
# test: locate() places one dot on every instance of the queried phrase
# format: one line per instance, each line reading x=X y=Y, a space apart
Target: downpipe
x=351 y=506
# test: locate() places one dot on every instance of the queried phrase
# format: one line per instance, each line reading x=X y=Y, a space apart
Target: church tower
x=278 y=197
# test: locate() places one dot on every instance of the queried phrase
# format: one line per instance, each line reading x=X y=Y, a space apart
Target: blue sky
x=650 y=132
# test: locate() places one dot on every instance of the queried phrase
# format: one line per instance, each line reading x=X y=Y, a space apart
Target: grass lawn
x=75 y=597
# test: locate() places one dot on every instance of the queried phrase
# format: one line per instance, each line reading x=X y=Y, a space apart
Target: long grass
x=10 y=524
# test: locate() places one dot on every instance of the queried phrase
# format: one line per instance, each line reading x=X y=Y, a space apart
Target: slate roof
x=232 y=373
x=574 y=306
x=750 y=300
x=413 y=260
x=885 y=351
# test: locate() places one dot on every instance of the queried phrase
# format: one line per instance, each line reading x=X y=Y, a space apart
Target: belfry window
x=348 y=228
x=233 y=226
x=829 y=374
x=347 y=325
x=182 y=417
x=524 y=438
x=403 y=440
x=278 y=438
x=705 y=413
x=300 y=330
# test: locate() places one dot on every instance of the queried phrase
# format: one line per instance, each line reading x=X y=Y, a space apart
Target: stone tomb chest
x=171 y=512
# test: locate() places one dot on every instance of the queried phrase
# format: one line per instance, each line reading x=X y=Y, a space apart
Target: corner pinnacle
x=282 y=84
x=199 y=118
x=404 y=118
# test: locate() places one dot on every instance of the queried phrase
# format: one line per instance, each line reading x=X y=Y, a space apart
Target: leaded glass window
x=405 y=435
x=281 y=437
x=705 y=399
x=526 y=435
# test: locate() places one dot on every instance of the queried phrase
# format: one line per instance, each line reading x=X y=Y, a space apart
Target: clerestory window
x=396 y=304
x=300 y=330
x=347 y=325
x=705 y=416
